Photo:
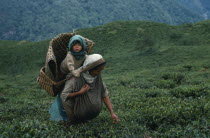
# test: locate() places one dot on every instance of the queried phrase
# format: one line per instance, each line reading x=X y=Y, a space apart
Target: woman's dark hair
x=96 y=67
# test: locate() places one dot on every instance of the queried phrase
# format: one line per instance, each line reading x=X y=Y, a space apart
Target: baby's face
x=77 y=47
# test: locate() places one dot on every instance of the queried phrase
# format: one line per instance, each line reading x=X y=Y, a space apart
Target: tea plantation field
x=158 y=77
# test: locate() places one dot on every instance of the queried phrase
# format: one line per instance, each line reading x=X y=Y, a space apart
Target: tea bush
x=190 y=91
x=177 y=77
x=163 y=93
x=188 y=67
x=165 y=84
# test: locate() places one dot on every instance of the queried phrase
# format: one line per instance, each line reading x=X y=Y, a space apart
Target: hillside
x=41 y=20
x=157 y=75
x=126 y=39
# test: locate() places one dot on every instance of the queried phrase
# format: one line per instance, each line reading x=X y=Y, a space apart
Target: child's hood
x=77 y=38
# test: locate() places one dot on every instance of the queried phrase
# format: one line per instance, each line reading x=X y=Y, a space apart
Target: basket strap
x=63 y=81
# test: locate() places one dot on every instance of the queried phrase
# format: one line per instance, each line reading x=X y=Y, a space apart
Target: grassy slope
x=158 y=78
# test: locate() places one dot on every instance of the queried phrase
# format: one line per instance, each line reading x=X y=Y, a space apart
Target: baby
x=75 y=56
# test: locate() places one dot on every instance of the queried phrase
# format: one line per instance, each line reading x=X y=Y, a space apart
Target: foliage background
x=43 y=19
x=157 y=75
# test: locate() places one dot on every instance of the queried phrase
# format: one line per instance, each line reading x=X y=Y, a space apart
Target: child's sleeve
x=71 y=68
x=70 y=63
x=77 y=72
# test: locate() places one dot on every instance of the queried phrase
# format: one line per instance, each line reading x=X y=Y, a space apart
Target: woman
x=70 y=65
x=82 y=97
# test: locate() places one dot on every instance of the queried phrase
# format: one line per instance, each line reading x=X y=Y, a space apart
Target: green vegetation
x=40 y=20
x=158 y=76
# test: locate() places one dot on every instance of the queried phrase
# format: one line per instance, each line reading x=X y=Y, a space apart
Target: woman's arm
x=108 y=104
x=84 y=89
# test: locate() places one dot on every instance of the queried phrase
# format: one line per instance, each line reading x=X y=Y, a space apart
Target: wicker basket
x=52 y=87
x=60 y=47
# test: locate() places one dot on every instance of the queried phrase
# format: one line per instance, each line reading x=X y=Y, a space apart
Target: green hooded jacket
x=82 y=53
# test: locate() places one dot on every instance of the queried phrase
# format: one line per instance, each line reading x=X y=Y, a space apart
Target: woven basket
x=60 y=47
x=52 y=87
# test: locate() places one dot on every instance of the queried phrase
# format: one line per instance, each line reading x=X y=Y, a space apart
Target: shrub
x=206 y=66
x=189 y=91
x=188 y=67
x=176 y=36
x=3 y=100
x=163 y=113
x=165 y=84
x=189 y=41
x=177 y=77
x=141 y=84
x=151 y=93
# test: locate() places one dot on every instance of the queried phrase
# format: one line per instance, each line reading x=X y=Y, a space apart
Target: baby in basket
x=75 y=56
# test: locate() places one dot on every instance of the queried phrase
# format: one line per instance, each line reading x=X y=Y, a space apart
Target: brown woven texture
x=46 y=83
x=60 y=47
x=50 y=86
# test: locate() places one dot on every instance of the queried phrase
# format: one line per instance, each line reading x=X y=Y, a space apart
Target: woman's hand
x=108 y=104
x=114 y=118
x=84 y=89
